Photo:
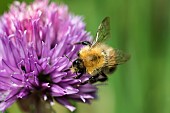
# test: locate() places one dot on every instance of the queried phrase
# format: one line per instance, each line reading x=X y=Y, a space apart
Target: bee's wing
x=103 y=31
x=120 y=56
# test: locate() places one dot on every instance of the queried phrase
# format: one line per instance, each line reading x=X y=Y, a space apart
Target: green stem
x=35 y=104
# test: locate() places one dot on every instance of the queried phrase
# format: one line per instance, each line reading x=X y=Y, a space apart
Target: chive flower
x=34 y=42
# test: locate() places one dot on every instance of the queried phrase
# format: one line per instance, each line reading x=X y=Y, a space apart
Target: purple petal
x=66 y=103
x=70 y=90
x=57 y=90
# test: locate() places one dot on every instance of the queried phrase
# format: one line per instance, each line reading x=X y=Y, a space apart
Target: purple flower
x=34 y=40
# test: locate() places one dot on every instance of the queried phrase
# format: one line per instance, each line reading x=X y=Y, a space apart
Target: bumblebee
x=96 y=58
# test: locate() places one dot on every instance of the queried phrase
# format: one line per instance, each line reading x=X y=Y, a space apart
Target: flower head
x=34 y=40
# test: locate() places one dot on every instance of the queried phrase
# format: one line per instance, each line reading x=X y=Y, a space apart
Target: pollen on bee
x=72 y=69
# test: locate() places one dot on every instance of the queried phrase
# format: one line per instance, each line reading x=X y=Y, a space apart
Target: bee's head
x=78 y=66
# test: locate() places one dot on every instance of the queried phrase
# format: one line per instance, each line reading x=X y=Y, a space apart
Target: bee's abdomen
x=108 y=70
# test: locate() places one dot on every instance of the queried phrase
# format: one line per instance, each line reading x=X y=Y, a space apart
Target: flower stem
x=75 y=105
x=34 y=104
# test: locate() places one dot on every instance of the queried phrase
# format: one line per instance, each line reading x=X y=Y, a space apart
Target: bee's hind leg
x=103 y=77
x=83 y=43
x=93 y=79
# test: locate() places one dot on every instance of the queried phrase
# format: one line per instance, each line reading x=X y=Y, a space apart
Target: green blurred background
x=141 y=28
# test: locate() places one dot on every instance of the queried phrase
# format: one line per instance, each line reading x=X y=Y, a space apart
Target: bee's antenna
x=68 y=58
x=70 y=61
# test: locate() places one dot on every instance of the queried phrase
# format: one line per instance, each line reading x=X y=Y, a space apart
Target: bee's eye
x=77 y=63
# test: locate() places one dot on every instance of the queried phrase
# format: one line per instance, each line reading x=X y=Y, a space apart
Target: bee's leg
x=83 y=43
x=66 y=70
x=78 y=76
x=91 y=80
x=103 y=78
x=95 y=78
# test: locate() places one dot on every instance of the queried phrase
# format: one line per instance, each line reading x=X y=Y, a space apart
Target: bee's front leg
x=78 y=76
x=66 y=70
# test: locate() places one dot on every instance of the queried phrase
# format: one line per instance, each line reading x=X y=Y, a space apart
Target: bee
x=97 y=58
